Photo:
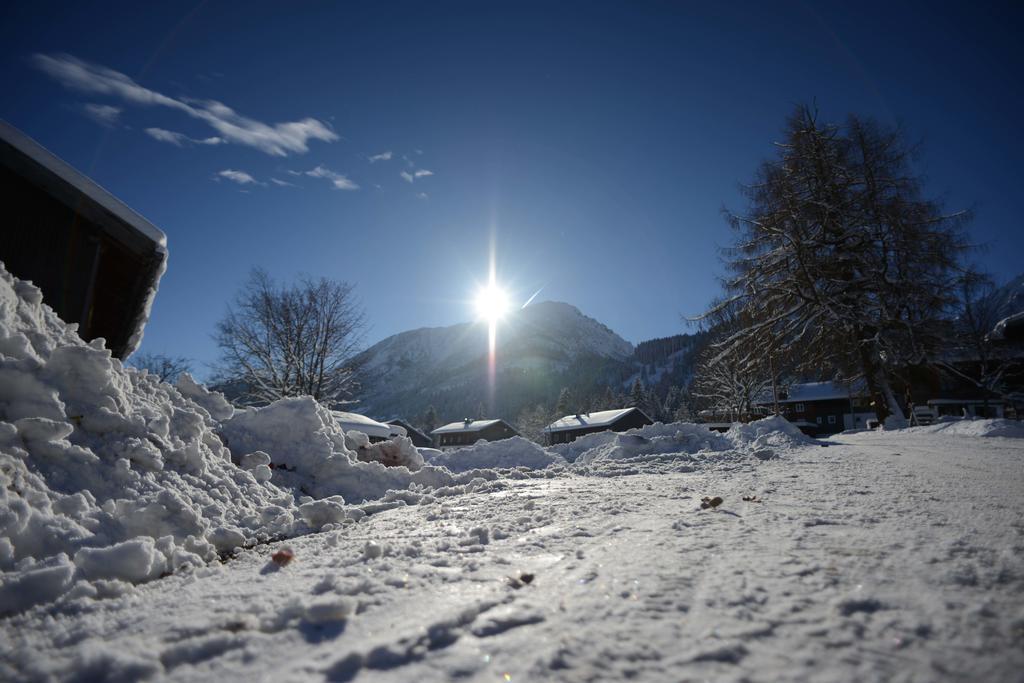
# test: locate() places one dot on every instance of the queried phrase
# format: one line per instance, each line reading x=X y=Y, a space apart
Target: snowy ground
x=884 y=556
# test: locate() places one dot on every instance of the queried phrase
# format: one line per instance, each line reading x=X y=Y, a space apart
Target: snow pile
x=308 y=453
x=395 y=452
x=774 y=432
x=106 y=473
x=968 y=427
x=655 y=448
x=686 y=437
x=507 y=453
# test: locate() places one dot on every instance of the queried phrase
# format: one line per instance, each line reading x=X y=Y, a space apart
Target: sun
x=491 y=303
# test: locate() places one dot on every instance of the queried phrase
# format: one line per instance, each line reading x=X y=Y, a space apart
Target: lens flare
x=491 y=303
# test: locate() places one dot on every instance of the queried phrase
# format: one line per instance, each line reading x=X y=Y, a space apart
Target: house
x=419 y=439
x=571 y=427
x=97 y=262
x=377 y=431
x=468 y=432
x=825 y=407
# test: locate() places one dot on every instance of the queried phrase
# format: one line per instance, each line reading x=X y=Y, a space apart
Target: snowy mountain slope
x=406 y=372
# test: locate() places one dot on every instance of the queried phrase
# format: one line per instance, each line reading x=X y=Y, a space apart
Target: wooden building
x=97 y=262
x=571 y=427
x=419 y=439
x=819 y=408
x=468 y=432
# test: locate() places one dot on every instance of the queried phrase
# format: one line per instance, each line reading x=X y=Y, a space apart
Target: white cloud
x=278 y=139
x=180 y=139
x=169 y=136
x=103 y=114
x=418 y=173
x=282 y=183
x=240 y=177
x=383 y=156
x=339 y=181
x=421 y=195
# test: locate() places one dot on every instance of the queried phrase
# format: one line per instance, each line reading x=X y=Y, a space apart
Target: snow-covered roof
x=80 y=182
x=820 y=391
x=360 y=423
x=464 y=426
x=1010 y=327
x=26 y=158
x=602 y=418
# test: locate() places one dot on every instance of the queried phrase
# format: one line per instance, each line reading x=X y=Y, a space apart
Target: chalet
x=419 y=439
x=825 y=407
x=468 y=432
x=97 y=262
x=571 y=427
x=377 y=431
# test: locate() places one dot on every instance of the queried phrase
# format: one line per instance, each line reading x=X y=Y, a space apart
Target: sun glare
x=491 y=303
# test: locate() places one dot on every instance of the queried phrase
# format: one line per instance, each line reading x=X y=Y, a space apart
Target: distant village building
x=825 y=407
x=468 y=432
x=419 y=438
x=571 y=427
x=97 y=262
x=377 y=431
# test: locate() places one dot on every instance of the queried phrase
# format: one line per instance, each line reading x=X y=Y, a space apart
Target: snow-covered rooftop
x=54 y=164
x=602 y=418
x=819 y=391
x=464 y=426
x=360 y=423
x=26 y=158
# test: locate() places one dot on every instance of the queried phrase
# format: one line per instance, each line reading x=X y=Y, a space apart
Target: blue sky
x=597 y=141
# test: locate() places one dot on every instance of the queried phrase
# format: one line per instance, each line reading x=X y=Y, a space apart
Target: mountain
x=539 y=349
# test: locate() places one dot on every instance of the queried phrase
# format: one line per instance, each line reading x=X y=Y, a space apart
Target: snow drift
x=109 y=474
x=507 y=453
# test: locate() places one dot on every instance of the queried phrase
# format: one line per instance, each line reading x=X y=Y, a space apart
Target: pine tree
x=429 y=419
x=565 y=403
x=637 y=395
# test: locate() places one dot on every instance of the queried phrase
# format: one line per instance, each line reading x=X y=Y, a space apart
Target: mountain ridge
x=539 y=350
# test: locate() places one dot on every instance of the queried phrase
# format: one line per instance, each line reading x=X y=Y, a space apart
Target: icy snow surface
x=886 y=556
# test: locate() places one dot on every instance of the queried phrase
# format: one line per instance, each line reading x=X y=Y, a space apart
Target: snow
x=368 y=426
x=819 y=391
x=507 y=453
x=464 y=426
x=601 y=418
x=143 y=530
x=975 y=428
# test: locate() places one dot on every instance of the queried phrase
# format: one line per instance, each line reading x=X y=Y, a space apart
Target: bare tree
x=732 y=384
x=840 y=260
x=976 y=358
x=298 y=340
x=167 y=368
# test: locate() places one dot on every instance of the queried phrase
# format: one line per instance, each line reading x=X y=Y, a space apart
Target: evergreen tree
x=637 y=395
x=429 y=420
x=565 y=403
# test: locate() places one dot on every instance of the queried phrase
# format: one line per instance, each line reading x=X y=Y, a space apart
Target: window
x=799 y=407
x=831 y=419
